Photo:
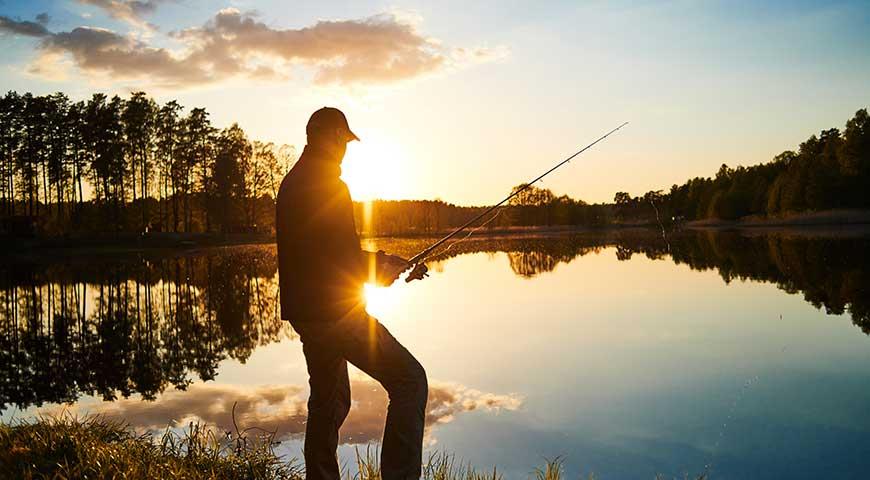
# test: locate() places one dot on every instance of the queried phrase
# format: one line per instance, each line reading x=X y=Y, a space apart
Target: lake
x=625 y=353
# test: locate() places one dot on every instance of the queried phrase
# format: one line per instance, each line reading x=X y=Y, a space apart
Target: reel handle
x=419 y=272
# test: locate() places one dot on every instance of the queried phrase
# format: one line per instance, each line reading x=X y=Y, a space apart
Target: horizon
x=431 y=93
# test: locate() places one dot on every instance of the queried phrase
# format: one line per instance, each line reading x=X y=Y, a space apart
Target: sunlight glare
x=380 y=301
x=375 y=169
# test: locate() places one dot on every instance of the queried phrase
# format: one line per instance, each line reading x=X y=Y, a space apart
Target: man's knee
x=412 y=388
x=422 y=386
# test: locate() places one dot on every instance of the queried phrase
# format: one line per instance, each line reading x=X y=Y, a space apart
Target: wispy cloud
x=23 y=27
x=282 y=408
x=130 y=11
x=380 y=49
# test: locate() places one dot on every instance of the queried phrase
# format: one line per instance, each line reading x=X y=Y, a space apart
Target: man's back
x=321 y=270
x=319 y=258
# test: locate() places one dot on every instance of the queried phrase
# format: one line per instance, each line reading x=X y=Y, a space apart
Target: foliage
x=829 y=171
x=116 y=165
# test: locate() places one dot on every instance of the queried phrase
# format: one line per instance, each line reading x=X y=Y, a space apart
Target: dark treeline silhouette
x=829 y=171
x=114 y=328
x=533 y=207
x=134 y=326
x=130 y=165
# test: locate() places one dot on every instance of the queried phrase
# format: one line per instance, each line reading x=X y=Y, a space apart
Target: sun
x=375 y=169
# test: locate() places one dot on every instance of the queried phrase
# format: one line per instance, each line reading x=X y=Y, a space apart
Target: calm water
x=626 y=355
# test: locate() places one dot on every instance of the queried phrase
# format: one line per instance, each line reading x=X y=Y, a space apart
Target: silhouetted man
x=321 y=273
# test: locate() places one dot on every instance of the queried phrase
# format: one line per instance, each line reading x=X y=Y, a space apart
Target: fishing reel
x=419 y=272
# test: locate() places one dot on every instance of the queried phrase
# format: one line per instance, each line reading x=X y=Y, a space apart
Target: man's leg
x=370 y=346
x=328 y=405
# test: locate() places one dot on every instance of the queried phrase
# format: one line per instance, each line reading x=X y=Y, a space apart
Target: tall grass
x=438 y=466
x=66 y=448
x=98 y=448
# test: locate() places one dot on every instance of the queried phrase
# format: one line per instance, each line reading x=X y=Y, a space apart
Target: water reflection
x=115 y=327
x=831 y=271
x=282 y=408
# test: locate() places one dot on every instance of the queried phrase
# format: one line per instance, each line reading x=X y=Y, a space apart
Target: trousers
x=363 y=341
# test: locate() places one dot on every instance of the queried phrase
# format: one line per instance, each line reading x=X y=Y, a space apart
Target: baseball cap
x=329 y=117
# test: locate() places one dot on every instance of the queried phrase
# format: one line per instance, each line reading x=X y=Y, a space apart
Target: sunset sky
x=462 y=100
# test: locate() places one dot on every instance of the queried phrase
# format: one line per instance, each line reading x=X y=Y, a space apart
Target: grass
x=65 y=447
x=97 y=448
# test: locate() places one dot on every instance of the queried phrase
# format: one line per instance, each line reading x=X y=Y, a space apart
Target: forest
x=111 y=165
x=828 y=171
x=130 y=165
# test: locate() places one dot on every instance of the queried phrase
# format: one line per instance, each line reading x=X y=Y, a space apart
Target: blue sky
x=701 y=82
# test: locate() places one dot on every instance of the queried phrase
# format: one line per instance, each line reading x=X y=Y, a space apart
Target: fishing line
x=708 y=465
x=419 y=269
x=471 y=232
x=661 y=225
x=752 y=381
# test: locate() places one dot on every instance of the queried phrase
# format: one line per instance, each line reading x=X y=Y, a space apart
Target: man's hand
x=419 y=272
x=389 y=267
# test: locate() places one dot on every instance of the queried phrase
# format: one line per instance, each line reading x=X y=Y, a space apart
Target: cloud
x=99 y=50
x=43 y=18
x=283 y=408
x=130 y=11
x=380 y=49
x=23 y=27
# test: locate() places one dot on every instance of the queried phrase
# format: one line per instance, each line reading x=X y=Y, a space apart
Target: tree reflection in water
x=114 y=327
x=832 y=271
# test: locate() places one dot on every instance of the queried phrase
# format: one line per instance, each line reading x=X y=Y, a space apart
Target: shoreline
x=833 y=222
x=826 y=218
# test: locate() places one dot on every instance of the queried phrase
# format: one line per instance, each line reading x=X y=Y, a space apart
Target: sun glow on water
x=380 y=301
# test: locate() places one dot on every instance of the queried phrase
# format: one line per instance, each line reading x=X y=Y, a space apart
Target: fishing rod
x=420 y=270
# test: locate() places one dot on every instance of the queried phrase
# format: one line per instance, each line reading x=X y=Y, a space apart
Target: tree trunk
x=46 y=192
x=144 y=189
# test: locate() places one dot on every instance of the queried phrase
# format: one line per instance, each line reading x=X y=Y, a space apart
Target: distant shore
x=821 y=218
x=28 y=249
x=54 y=248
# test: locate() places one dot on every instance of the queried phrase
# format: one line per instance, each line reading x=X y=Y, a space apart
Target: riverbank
x=827 y=222
x=68 y=448
x=28 y=250
x=828 y=218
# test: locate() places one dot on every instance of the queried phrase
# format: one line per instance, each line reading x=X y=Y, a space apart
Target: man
x=321 y=273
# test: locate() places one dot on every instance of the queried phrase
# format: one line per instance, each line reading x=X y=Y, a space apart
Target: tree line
x=130 y=165
x=828 y=171
x=532 y=207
